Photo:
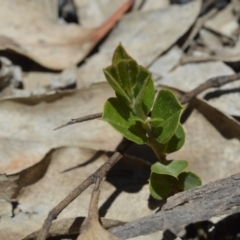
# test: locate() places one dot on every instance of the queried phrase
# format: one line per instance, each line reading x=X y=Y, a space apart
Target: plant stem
x=153 y=143
x=155 y=147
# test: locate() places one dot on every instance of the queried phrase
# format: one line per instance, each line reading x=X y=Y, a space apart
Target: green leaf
x=108 y=72
x=144 y=91
x=149 y=96
x=188 y=180
x=176 y=141
x=120 y=54
x=127 y=71
x=160 y=186
x=118 y=115
x=168 y=108
x=172 y=168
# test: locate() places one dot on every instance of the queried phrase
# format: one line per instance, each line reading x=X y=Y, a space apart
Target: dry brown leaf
x=17 y=227
x=27 y=126
x=94 y=13
x=154 y=5
x=39 y=83
x=92 y=229
x=145 y=35
x=10 y=77
x=211 y=40
x=36 y=83
x=49 y=7
x=71 y=226
x=223 y=53
x=164 y=64
x=54 y=45
x=67 y=168
x=7 y=189
x=11 y=185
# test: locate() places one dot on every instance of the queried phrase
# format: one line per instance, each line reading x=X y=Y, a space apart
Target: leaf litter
x=39 y=167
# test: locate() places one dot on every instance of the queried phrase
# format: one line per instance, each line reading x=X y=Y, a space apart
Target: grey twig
x=213 y=199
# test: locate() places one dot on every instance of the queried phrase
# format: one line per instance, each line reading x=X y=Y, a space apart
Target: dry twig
x=214 y=82
x=99 y=174
x=199 y=204
x=81 y=119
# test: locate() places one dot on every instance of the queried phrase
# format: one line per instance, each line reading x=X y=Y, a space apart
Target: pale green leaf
x=108 y=72
x=127 y=71
x=144 y=91
x=118 y=116
x=168 y=108
x=172 y=168
x=120 y=54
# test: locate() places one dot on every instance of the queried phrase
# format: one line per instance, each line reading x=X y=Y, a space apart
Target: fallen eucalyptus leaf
x=27 y=126
x=159 y=37
x=31 y=33
x=93 y=14
x=67 y=168
x=71 y=226
x=92 y=228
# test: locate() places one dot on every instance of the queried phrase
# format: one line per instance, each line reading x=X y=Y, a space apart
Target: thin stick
x=99 y=174
x=81 y=119
x=214 y=82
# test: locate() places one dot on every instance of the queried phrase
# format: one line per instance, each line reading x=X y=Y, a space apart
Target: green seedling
x=144 y=118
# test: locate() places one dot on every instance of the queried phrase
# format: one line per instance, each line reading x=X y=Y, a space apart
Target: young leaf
x=120 y=54
x=168 y=108
x=108 y=72
x=144 y=91
x=188 y=180
x=172 y=168
x=148 y=98
x=118 y=115
x=176 y=141
x=160 y=185
x=127 y=71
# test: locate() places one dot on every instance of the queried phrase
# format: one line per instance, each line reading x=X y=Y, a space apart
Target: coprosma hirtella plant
x=144 y=118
